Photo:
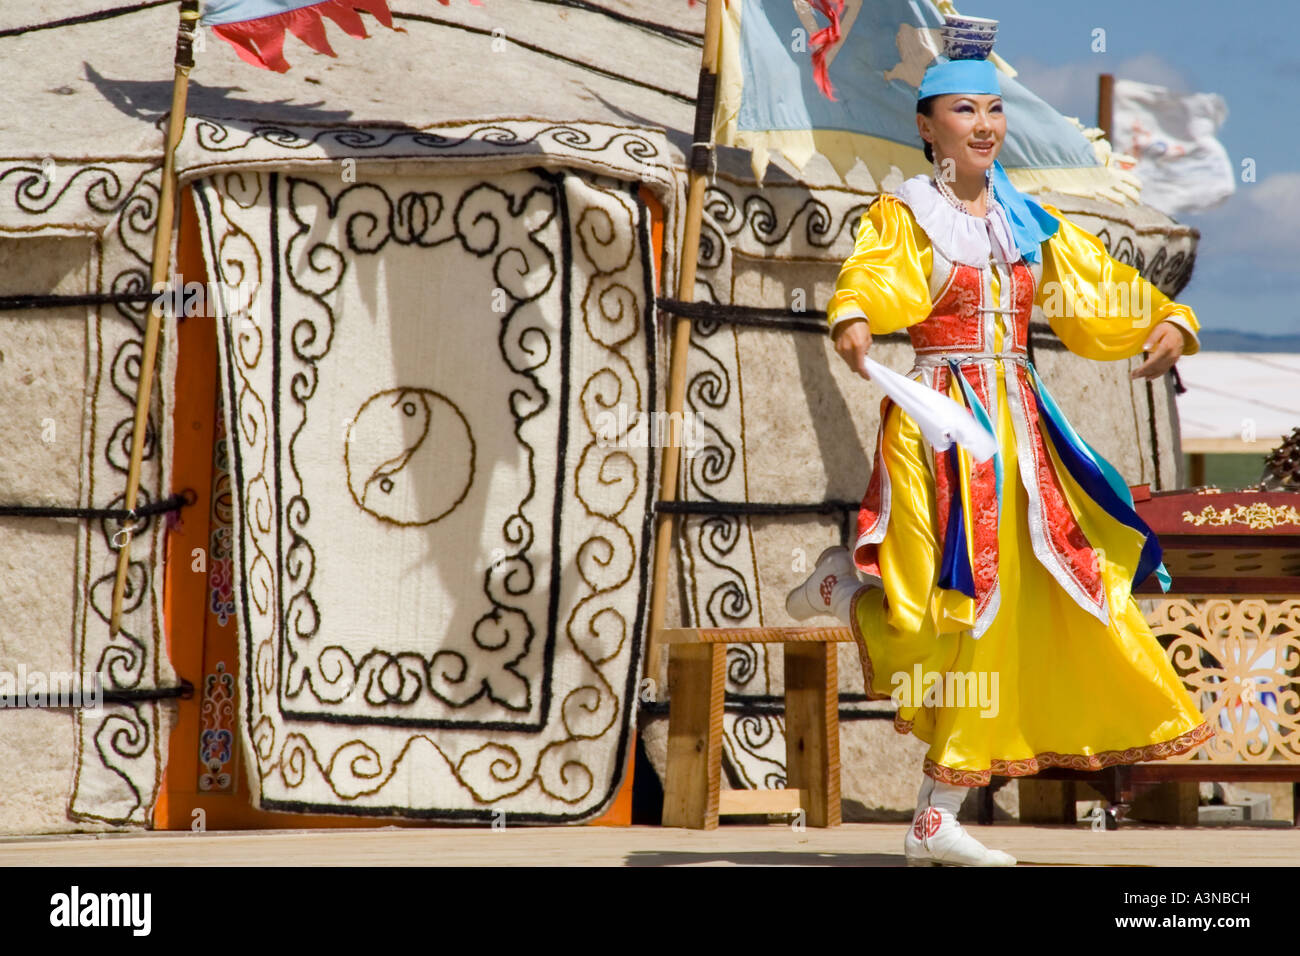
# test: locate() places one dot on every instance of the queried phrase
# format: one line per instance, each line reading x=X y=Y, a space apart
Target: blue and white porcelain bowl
x=979 y=26
x=964 y=47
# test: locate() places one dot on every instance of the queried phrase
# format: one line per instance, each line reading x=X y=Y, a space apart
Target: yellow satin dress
x=1061 y=688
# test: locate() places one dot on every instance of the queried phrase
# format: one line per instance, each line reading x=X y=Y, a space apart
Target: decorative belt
x=928 y=359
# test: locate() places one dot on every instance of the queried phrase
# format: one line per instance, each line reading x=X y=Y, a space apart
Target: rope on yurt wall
x=86 y=18
x=164 y=506
x=183 y=690
x=762 y=707
x=537 y=48
x=808 y=320
x=50 y=701
x=672 y=33
x=16 y=303
x=753 y=507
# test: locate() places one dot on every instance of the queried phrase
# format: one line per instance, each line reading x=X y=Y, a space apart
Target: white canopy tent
x=1238 y=401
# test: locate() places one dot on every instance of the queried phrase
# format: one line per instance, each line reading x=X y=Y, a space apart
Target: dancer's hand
x=852 y=341
x=1165 y=343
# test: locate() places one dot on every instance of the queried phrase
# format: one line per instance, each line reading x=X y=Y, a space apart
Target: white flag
x=1183 y=167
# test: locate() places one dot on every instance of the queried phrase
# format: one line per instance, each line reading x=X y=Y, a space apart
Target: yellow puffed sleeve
x=1099 y=307
x=887 y=278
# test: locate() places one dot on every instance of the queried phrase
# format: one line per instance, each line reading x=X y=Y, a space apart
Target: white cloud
x=1151 y=68
x=1071 y=88
x=1261 y=221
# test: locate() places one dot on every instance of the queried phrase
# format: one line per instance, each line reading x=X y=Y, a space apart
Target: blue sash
x=955 y=571
x=1099 y=479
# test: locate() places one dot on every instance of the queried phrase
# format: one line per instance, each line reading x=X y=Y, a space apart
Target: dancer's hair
x=926 y=108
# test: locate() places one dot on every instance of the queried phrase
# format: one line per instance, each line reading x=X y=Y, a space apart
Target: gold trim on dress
x=1107 y=758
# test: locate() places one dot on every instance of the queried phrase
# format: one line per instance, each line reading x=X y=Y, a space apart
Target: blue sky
x=1247 y=274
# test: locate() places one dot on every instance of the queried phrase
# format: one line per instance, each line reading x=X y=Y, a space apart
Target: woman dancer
x=1011 y=577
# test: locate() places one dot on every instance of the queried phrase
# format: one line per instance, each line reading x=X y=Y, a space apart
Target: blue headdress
x=965 y=68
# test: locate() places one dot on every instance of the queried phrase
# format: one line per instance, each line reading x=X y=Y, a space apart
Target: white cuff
x=851 y=314
x=1179 y=321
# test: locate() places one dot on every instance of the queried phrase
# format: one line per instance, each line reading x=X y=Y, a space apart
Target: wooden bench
x=1052 y=793
x=696 y=682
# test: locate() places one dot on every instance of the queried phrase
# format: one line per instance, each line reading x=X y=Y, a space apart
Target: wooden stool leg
x=812 y=729
x=1047 y=801
x=1123 y=790
x=985 y=815
x=696 y=682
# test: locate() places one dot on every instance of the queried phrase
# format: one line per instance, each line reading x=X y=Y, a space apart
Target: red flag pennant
x=820 y=42
x=823 y=40
x=260 y=41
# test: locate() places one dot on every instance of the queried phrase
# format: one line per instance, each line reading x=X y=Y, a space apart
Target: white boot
x=936 y=837
x=829 y=590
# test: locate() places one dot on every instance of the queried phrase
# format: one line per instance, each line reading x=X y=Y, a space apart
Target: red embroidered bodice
x=962 y=322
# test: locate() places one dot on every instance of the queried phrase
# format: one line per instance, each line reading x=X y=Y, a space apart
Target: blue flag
x=875 y=53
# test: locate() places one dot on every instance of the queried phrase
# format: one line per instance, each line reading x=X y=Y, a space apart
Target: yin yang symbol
x=409 y=455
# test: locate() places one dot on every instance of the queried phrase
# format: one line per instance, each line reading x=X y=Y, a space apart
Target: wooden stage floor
x=853 y=844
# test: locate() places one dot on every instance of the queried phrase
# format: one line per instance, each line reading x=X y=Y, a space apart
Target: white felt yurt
x=408 y=576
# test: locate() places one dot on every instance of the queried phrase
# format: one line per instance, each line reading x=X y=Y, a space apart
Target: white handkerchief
x=942 y=421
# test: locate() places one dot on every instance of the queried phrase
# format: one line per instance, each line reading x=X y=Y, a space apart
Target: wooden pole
x=1106 y=106
x=158 y=276
x=682 y=332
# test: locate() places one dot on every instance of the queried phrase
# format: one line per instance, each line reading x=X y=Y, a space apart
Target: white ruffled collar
x=960 y=237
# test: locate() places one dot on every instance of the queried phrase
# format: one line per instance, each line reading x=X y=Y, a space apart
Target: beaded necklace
x=960 y=205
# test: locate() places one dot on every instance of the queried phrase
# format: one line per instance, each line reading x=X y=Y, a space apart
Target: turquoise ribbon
x=982 y=416
x=1031 y=224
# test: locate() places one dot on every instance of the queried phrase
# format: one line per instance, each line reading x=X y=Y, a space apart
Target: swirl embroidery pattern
x=439 y=497
x=110 y=208
x=745 y=227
